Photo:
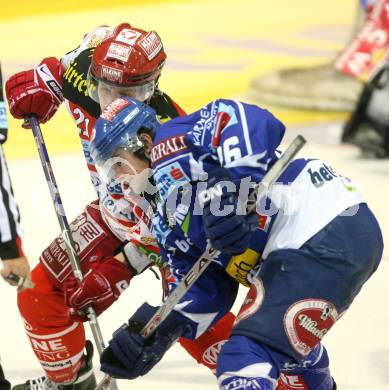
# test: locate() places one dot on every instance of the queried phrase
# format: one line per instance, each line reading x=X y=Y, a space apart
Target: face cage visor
x=104 y=92
x=121 y=176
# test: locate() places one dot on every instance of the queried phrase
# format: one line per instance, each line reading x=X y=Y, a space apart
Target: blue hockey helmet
x=118 y=127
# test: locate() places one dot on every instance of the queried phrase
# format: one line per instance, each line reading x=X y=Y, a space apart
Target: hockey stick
x=210 y=253
x=66 y=232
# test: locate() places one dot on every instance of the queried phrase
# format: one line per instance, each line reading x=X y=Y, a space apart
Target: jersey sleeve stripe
x=245 y=127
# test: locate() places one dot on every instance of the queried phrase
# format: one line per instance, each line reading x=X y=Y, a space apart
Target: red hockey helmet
x=130 y=60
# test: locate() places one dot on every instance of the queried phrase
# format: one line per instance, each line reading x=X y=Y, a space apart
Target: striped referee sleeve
x=10 y=232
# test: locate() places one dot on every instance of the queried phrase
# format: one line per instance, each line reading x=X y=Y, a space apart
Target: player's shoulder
x=181 y=125
x=89 y=41
x=171 y=156
x=75 y=84
x=170 y=141
x=188 y=133
x=165 y=106
x=96 y=36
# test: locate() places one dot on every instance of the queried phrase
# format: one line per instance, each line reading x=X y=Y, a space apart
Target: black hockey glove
x=229 y=230
x=129 y=355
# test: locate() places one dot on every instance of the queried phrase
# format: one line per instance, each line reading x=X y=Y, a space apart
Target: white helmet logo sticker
x=128 y=36
x=119 y=52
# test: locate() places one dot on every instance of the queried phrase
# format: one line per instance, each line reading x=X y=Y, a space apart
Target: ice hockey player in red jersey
x=113 y=244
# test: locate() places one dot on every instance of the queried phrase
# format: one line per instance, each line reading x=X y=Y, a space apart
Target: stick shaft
x=66 y=232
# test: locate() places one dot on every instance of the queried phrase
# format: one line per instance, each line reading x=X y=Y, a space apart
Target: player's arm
x=38 y=91
x=14 y=261
x=105 y=281
x=17 y=265
x=245 y=138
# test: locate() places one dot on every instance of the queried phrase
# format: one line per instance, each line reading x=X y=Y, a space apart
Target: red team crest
x=307 y=321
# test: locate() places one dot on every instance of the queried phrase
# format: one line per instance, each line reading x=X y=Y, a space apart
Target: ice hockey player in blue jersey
x=305 y=253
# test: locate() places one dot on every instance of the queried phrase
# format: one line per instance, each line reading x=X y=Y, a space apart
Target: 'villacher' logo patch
x=307 y=321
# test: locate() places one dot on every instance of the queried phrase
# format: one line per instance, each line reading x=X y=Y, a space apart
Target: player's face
x=132 y=172
x=108 y=93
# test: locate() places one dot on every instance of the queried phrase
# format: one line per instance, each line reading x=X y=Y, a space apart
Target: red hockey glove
x=101 y=287
x=36 y=91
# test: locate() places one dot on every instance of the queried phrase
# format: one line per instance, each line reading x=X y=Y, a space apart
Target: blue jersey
x=244 y=139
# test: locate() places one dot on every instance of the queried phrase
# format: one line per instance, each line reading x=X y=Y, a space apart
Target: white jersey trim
x=309 y=208
x=245 y=127
x=52 y=335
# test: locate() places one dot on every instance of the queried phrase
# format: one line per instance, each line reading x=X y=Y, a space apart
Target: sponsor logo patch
x=289 y=382
x=110 y=112
x=263 y=222
x=111 y=74
x=86 y=235
x=131 y=115
x=160 y=229
x=151 y=44
x=50 y=81
x=119 y=52
x=168 y=147
x=306 y=322
x=128 y=36
x=77 y=80
x=97 y=36
x=148 y=240
x=240 y=383
x=168 y=177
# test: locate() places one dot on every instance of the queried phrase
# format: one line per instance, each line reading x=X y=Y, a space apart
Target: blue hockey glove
x=229 y=233
x=129 y=355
